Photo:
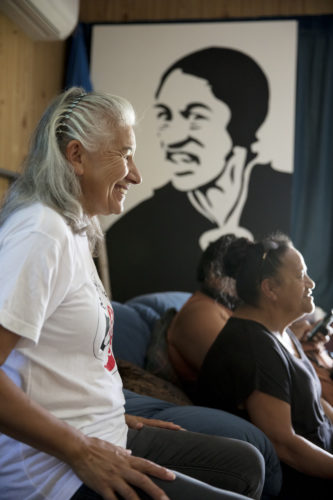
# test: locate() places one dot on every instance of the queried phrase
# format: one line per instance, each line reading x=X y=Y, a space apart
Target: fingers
x=134 y=422
x=123 y=451
x=143 y=482
x=138 y=422
x=152 y=422
x=123 y=482
x=109 y=469
x=136 y=425
x=147 y=467
x=123 y=488
x=321 y=337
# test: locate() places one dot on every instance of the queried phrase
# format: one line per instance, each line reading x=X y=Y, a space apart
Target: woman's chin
x=310 y=305
x=116 y=209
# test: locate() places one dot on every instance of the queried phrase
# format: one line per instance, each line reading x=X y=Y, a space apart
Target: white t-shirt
x=51 y=295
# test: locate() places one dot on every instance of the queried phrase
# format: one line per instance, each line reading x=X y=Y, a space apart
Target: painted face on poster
x=214 y=99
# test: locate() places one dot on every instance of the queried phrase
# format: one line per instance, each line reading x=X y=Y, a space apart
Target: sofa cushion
x=135 y=320
x=157 y=357
x=131 y=334
x=142 y=382
x=153 y=305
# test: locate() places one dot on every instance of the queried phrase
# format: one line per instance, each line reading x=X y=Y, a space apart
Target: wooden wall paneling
x=154 y=10
x=3 y=188
x=31 y=74
x=48 y=75
x=16 y=58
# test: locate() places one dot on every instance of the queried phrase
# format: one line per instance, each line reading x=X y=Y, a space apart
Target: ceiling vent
x=43 y=19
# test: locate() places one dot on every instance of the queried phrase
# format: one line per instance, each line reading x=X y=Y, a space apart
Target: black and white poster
x=215 y=106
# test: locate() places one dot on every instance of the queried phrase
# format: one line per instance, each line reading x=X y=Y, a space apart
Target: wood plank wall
x=32 y=72
x=154 y=10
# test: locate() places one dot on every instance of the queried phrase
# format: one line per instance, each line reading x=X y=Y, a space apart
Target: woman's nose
x=311 y=283
x=134 y=175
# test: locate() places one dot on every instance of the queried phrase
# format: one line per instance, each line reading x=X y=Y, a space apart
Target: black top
x=247 y=357
x=155 y=246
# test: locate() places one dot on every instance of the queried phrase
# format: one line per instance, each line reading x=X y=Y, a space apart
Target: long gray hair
x=47 y=176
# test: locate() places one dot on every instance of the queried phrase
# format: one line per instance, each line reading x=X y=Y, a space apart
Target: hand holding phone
x=322 y=327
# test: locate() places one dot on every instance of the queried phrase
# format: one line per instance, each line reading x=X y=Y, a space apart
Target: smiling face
x=295 y=286
x=106 y=174
x=192 y=130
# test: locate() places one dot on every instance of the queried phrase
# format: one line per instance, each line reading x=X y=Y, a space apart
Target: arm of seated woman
x=102 y=466
x=195 y=329
x=273 y=417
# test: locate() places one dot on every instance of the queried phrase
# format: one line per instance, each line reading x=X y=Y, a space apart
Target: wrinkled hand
x=320 y=338
x=135 y=422
x=303 y=327
x=108 y=469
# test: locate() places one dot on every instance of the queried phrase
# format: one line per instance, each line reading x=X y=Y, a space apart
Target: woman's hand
x=134 y=422
x=302 y=328
x=109 y=469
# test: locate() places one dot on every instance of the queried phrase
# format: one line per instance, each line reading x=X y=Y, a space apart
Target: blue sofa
x=134 y=322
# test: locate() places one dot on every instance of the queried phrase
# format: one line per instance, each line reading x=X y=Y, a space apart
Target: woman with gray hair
x=64 y=432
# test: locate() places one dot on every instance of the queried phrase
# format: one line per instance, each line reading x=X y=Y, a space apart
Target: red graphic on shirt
x=108 y=340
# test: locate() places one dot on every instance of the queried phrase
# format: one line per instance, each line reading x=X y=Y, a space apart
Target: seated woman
x=63 y=430
x=195 y=327
x=257 y=368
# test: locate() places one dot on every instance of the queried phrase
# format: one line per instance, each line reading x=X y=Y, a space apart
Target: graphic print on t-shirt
x=107 y=341
x=103 y=339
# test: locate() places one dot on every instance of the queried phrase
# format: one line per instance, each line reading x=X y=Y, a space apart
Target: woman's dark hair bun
x=235 y=256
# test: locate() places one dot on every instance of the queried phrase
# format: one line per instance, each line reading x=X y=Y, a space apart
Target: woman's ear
x=74 y=155
x=268 y=287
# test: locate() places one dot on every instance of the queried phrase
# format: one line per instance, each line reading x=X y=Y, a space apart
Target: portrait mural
x=215 y=109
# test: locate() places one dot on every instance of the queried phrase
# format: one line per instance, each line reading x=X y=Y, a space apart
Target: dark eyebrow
x=197 y=105
x=194 y=105
x=188 y=107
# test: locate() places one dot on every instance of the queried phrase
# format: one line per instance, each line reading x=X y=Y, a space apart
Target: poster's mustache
x=181 y=144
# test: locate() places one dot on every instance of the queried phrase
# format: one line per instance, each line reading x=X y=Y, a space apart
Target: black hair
x=211 y=275
x=250 y=263
x=237 y=80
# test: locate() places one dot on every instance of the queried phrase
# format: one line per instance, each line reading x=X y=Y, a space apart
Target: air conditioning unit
x=43 y=19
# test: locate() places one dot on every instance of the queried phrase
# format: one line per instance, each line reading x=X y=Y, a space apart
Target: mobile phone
x=322 y=326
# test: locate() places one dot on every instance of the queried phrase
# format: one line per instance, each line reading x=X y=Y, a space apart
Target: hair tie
x=62 y=126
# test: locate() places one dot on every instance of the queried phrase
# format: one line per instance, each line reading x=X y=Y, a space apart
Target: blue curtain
x=312 y=202
x=77 y=70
